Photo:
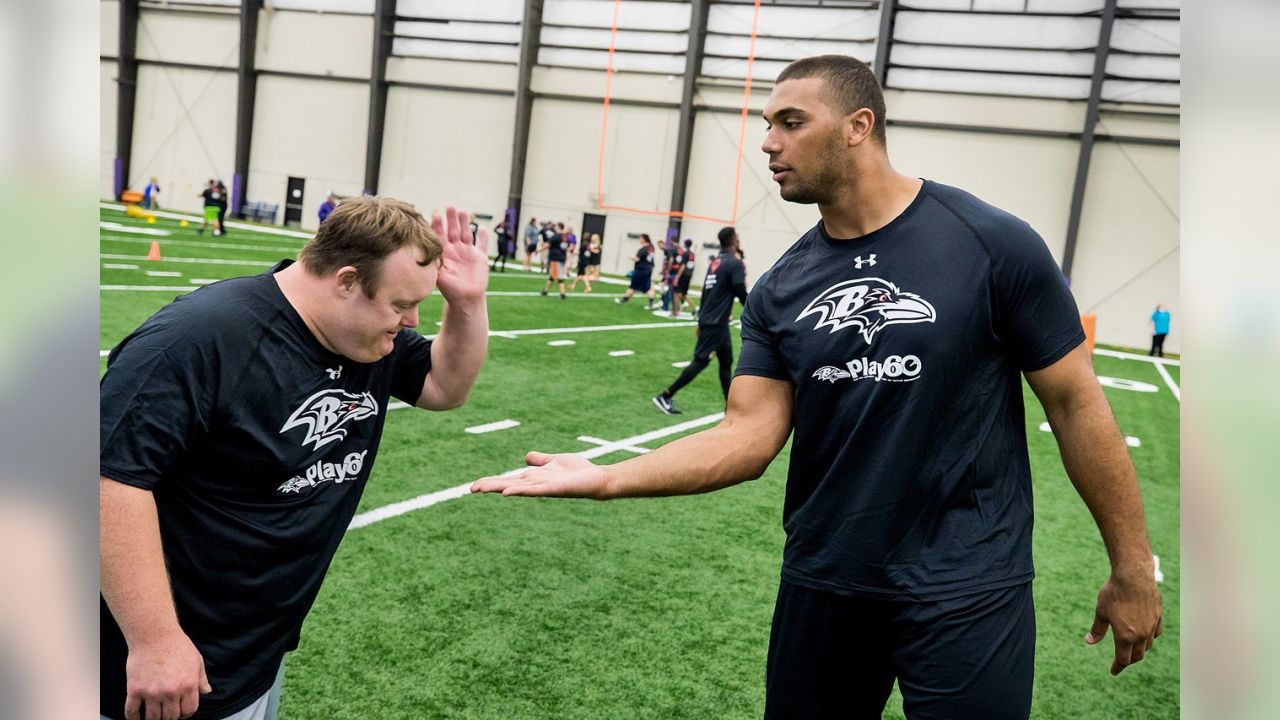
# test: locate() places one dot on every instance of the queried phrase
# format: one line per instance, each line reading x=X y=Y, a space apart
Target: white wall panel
x=109 y=28
x=451 y=73
x=561 y=170
x=183 y=132
x=1127 y=257
x=107 y=95
x=315 y=43
x=204 y=39
x=1027 y=176
x=312 y=129
x=591 y=84
x=446 y=148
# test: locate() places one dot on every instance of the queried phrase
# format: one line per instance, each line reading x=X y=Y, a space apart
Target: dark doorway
x=293 y=201
x=592 y=223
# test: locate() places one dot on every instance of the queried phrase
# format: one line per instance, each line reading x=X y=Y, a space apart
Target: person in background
x=210 y=197
x=1159 y=329
x=505 y=246
x=642 y=275
x=222 y=208
x=683 y=275
x=593 y=269
x=149 y=193
x=530 y=243
x=326 y=207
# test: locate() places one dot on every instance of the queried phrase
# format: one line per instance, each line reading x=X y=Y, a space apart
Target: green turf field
x=485 y=607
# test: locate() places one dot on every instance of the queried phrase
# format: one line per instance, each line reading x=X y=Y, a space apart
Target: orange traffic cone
x=154 y=252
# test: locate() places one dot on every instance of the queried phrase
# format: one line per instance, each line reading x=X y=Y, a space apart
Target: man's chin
x=798 y=195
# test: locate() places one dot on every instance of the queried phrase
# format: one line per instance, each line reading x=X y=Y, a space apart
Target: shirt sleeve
x=738 y=281
x=1037 y=317
x=760 y=355
x=154 y=404
x=413 y=362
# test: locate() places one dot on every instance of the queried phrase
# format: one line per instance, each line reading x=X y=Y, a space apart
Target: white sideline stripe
x=1168 y=380
x=1135 y=356
x=509 y=334
x=423 y=501
x=147 y=288
x=117 y=227
x=198 y=261
x=681 y=364
x=199 y=243
x=598 y=441
x=492 y=427
x=163 y=273
x=1159 y=575
x=203 y=281
x=118 y=266
x=562 y=343
x=231 y=224
x=103 y=353
x=522 y=293
x=621 y=353
x=397 y=405
x=1129 y=440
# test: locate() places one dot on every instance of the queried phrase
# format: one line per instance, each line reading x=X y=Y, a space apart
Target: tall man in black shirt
x=239 y=425
x=726 y=280
x=893 y=338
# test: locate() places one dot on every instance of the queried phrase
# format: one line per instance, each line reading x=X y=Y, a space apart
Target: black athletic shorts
x=835 y=656
x=711 y=340
x=682 y=283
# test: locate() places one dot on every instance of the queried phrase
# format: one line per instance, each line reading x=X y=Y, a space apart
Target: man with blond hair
x=239 y=426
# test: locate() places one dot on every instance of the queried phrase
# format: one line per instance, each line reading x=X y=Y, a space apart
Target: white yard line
x=118 y=266
x=290 y=252
x=163 y=273
x=492 y=427
x=1168 y=380
x=231 y=224
x=1129 y=440
x=598 y=441
x=682 y=364
x=198 y=261
x=1134 y=356
x=147 y=288
x=423 y=501
x=117 y=227
x=621 y=353
x=562 y=343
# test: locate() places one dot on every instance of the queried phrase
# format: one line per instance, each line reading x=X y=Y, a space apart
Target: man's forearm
x=457 y=354
x=134 y=581
x=710 y=460
x=1097 y=461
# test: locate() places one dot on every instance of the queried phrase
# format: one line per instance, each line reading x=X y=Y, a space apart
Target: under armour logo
x=858 y=262
x=334 y=373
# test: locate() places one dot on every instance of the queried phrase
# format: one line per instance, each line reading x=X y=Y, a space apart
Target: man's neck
x=879 y=195
x=297 y=287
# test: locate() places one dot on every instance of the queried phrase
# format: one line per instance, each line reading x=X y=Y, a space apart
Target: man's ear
x=346 y=280
x=859 y=126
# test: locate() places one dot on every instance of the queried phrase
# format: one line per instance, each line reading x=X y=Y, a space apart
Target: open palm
x=464 y=274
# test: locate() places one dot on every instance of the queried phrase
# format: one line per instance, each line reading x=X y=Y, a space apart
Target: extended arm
x=755 y=427
x=1097 y=461
x=164 y=669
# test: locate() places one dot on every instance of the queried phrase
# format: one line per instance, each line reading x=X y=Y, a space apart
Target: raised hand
x=464 y=275
x=569 y=476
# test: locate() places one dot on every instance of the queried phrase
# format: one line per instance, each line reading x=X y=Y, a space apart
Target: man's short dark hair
x=726 y=236
x=850 y=85
x=688 y=243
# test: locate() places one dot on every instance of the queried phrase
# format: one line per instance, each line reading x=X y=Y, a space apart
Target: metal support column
x=530 y=39
x=246 y=94
x=384 y=25
x=884 y=41
x=684 y=140
x=1087 y=138
x=126 y=93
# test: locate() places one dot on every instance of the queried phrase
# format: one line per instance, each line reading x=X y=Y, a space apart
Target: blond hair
x=362 y=232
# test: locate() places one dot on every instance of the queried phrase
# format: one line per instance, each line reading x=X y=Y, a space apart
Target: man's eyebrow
x=779 y=114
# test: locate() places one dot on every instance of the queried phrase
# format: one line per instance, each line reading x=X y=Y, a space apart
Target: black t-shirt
x=211 y=197
x=644 y=261
x=909 y=475
x=726 y=279
x=256 y=443
x=555 y=245
x=687 y=259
